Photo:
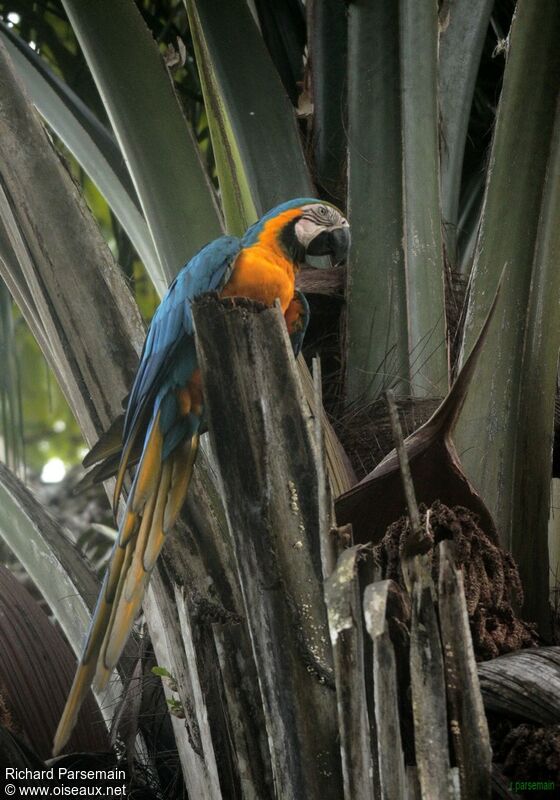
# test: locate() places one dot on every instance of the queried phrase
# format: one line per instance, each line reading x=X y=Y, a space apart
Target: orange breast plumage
x=263 y=271
x=260 y=277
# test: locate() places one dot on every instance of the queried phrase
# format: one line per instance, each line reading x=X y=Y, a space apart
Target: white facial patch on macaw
x=319 y=218
x=315 y=219
x=306 y=230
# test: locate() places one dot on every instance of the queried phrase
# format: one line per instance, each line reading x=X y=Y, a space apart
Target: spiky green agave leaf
x=506 y=427
x=50 y=559
x=327 y=22
x=156 y=142
x=463 y=31
x=283 y=29
x=396 y=316
x=11 y=421
x=91 y=144
x=423 y=245
x=259 y=156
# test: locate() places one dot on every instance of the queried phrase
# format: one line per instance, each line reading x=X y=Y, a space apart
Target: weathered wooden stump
x=262 y=436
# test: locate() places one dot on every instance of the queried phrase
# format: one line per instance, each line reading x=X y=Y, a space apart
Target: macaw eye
x=322 y=210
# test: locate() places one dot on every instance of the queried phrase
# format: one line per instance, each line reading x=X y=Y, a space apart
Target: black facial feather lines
x=322 y=215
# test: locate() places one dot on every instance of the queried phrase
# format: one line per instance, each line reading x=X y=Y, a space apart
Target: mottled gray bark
x=262 y=435
x=468 y=725
x=342 y=594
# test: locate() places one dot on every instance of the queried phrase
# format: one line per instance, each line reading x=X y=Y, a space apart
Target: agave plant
x=377 y=114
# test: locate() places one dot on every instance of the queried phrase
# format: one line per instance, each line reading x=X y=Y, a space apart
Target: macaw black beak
x=333 y=243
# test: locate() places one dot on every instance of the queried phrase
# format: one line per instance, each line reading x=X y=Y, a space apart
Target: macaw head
x=321 y=230
x=304 y=227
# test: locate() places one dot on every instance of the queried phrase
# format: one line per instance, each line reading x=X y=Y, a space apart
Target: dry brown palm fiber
x=493 y=588
x=364 y=428
x=527 y=751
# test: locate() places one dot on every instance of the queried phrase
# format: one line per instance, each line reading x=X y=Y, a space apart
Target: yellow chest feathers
x=259 y=276
x=263 y=272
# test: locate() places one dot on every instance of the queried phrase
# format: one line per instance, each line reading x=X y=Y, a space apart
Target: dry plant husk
x=527 y=751
x=376 y=501
x=493 y=588
x=365 y=428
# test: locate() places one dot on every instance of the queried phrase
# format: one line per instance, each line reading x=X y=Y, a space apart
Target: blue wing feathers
x=169 y=355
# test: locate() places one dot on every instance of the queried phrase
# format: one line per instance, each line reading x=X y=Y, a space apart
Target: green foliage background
x=32 y=405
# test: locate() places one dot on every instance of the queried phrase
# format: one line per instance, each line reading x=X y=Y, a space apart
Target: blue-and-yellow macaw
x=165 y=409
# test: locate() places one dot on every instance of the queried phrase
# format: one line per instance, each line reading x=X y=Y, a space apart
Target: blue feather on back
x=169 y=355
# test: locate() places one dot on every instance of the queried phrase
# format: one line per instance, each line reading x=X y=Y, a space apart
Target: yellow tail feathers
x=156 y=497
x=80 y=688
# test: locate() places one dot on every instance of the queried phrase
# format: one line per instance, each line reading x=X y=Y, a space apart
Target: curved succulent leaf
x=89 y=142
x=157 y=144
x=506 y=426
x=252 y=123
